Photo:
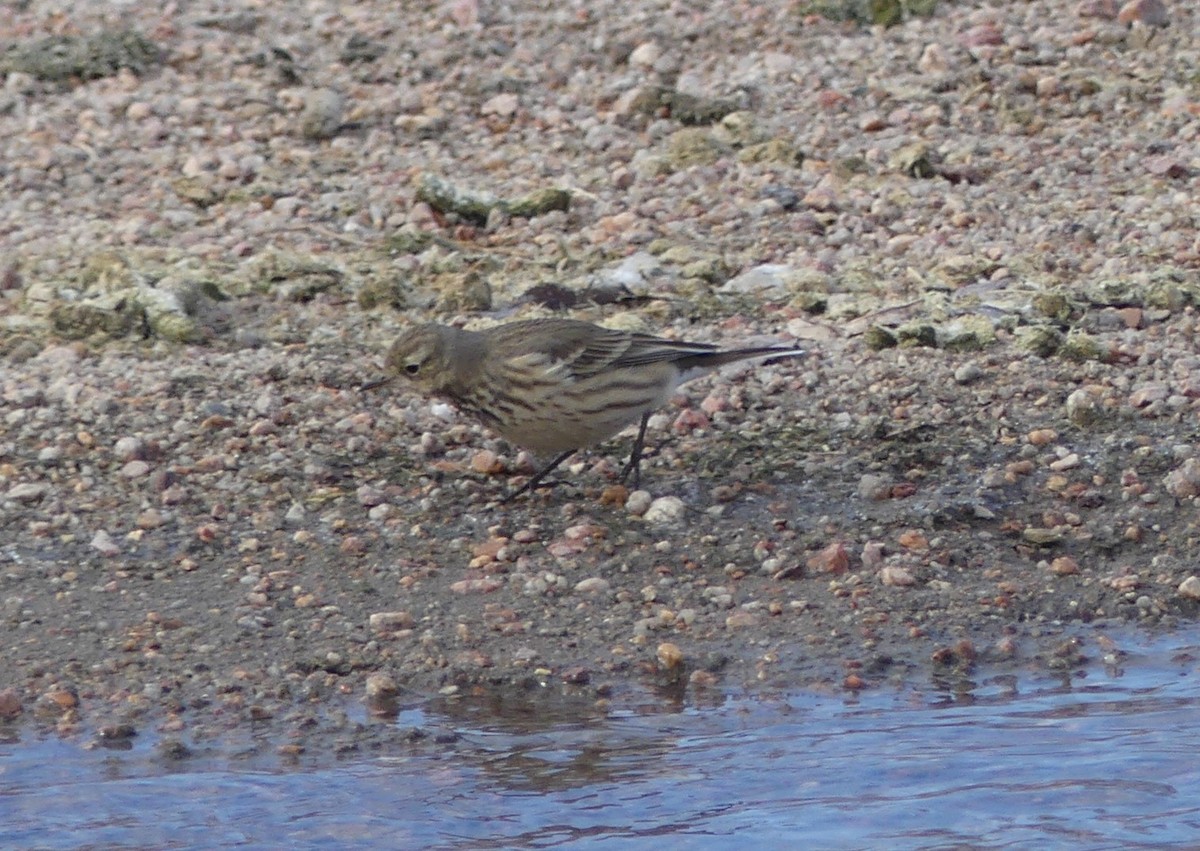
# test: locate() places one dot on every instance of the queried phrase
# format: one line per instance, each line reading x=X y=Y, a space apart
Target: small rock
x=130 y=449
x=117 y=732
x=1042 y=436
x=1084 y=406
x=321 y=117
x=10 y=703
x=832 y=559
x=874 y=487
x=485 y=585
x=1146 y=394
x=984 y=35
x=1064 y=566
x=592 y=585
x=742 y=620
x=390 y=621
x=577 y=676
x=49 y=455
x=369 y=496
x=1067 y=462
x=638 y=503
x=911 y=539
x=1106 y=9
x=872 y=555
x=897 y=577
x=380 y=685
x=967 y=373
x=664 y=510
x=1184 y=481
x=669 y=655
x=27 y=492
x=135 y=470
x=1190 y=588
x=689 y=420
x=933 y=60
x=645 y=55
x=1151 y=13
x=503 y=105
x=103 y=543
x=1042 y=537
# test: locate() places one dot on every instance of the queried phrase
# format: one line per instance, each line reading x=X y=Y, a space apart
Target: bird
x=554 y=386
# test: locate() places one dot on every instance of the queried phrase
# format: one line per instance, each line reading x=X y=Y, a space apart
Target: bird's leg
x=537 y=477
x=635 y=456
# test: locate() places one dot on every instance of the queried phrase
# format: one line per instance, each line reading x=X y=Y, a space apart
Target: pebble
x=369 y=496
x=638 y=503
x=1042 y=537
x=593 y=585
x=1042 y=436
x=1184 y=481
x=1146 y=394
x=103 y=543
x=669 y=655
x=742 y=620
x=391 y=621
x=1151 y=13
x=896 y=576
x=968 y=372
x=1064 y=566
x=135 y=469
x=1190 y=588
x=664 y=511
x=484 y=585
x=321 y=116
x=832 y=559
x=10 y=704
x=129 y=449
x=381 y=685
x=487 y=463
x=1084 y=406
x=875 y=487
x=49 y=456
x=27 y=492
x=1067 y=462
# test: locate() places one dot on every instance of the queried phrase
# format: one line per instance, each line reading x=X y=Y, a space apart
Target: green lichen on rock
x=884 y=13
x=968 y=333
x=692 y=146
x=1053 y=304
x=877 y=338
x=122 y=295
x=296 y=277
x=477 y=207
x=1082 y=347
x=916 y=334
x=1041 y=340
x=64 y=57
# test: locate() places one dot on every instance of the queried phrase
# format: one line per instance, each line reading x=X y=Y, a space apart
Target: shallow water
x=1106 y=760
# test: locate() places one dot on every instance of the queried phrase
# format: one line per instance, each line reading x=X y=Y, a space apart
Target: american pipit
x=555 y=386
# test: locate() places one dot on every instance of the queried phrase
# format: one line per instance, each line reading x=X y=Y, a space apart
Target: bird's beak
x=379 y=382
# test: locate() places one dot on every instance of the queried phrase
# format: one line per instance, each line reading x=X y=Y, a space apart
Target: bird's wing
x=596 y=351
x=582 y=350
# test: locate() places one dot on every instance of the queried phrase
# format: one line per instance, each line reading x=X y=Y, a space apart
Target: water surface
x=1102 y=758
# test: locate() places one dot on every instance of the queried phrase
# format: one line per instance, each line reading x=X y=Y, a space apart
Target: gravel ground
x=982 y=224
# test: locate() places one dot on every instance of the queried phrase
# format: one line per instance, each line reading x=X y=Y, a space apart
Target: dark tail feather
x=713 y=360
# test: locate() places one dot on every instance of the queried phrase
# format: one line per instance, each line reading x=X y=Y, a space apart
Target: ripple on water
x=1102 y=761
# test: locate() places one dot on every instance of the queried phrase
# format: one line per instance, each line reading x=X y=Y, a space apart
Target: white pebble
x=638 y=502
x=664 y=510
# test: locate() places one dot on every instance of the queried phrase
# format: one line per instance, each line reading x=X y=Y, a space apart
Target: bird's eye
x=412 y=368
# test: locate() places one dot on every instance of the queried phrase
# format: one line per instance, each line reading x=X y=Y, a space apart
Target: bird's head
x=422 y=355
